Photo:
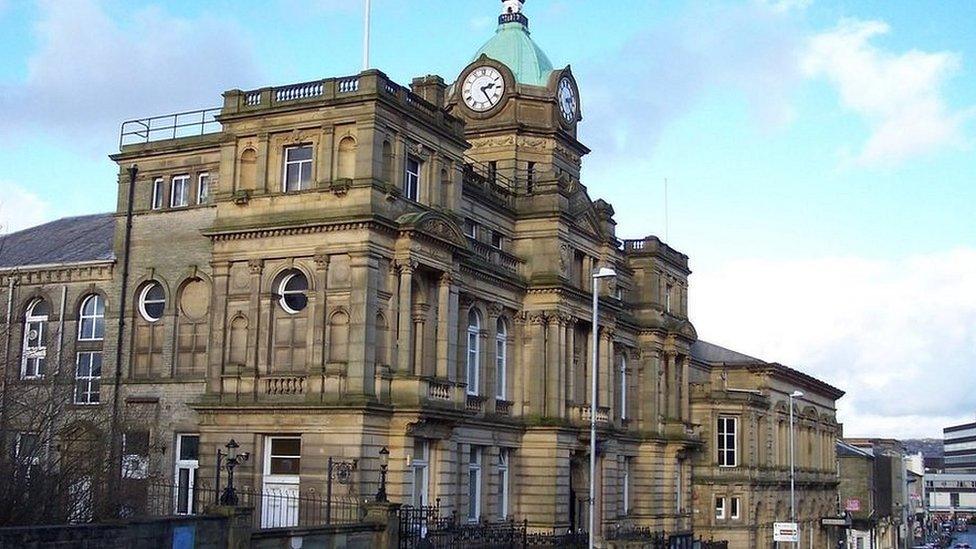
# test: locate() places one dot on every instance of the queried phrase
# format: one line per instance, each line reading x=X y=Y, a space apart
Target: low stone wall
x=354 y=536
x=177 y=532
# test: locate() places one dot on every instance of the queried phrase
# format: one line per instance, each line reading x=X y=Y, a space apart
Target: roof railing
x=169 y=126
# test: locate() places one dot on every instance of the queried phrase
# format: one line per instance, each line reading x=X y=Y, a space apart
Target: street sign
x=852 y=504
x=786 y=531
x=828 y=521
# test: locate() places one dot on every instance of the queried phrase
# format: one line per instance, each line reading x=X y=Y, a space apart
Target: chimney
x=431 y=88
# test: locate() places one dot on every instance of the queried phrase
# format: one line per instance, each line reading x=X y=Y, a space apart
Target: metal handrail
x=144 y=130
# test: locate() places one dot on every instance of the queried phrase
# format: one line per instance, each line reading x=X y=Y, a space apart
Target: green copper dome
x=513 y=46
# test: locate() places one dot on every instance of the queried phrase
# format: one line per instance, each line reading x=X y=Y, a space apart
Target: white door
x=187 y=463
x=280 y=496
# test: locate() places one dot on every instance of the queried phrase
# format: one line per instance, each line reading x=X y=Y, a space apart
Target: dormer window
x=298 y=168
x=411 y=180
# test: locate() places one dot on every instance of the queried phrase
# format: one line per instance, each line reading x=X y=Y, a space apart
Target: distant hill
x=930 y=447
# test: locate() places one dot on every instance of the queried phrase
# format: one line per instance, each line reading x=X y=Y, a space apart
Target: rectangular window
x=504 y=457
x=411 y=180
x=187 y=463
x=625 y=482
x=203 y=188
x=35 y=347
x=470 y=228
x=473 y=359
x=623 y=388
x=179 y=195
x=667 y=297
x=726 y=441
x=734 y=508
x=157 y=193
x=298 y=168
x=135 y=454
x=474 y=484
x=88 y=377
x=720 y=508
x=285 y=456
x=419 y=465
x=496 y=240
x=492 y=171
x=530 y=175
x=27 y=450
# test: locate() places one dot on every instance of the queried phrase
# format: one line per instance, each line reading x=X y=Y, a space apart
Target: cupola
x=513 y=46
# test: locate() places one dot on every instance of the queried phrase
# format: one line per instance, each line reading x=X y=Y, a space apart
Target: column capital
x=494 y=311
x=254 y=266
x=446 y=278
x=407 y=266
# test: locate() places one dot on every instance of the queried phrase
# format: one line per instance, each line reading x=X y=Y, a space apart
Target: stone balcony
x=580 y=415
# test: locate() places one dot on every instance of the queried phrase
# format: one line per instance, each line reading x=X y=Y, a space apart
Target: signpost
x=786 y=531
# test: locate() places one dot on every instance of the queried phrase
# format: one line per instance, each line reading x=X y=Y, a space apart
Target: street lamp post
x=233 y=459
x=793 y=395
x=604 y=272
x=384 y=463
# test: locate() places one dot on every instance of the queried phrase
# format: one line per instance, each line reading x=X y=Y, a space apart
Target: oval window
x=293 y=291
x=152 y=302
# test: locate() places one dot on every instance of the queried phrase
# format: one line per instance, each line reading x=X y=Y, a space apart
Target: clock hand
x=485 y=93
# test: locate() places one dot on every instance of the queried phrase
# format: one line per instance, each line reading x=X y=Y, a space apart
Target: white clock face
x=483 y=89
x=567 y=100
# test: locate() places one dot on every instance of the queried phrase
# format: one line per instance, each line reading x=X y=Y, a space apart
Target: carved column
x=261 y=164
x=259 y=359
x=218 y=356
x=572 y=366
x=364 y=280
x=605 y=374
x=443 y=324
x=403 y=317
x=418 y=317
x=517 y=367
x=319 y=311
x=323 y=165
x=491 y=363
x=685 y=395
x=553 y=366
x=536 y=363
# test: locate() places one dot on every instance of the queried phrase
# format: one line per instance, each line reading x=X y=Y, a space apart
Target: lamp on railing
x=384 y=463
x=232 y=459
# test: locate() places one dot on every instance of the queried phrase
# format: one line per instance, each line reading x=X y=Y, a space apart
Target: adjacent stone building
x=329 y=268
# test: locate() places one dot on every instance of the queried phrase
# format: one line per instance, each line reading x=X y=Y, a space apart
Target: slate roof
x=714 y=354
x=67 y=240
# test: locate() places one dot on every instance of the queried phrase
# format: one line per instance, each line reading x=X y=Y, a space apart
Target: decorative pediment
x=435 y=225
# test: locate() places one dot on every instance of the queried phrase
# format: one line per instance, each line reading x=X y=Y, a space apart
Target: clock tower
x=520 y=112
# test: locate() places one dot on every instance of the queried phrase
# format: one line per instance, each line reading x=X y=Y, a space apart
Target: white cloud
x=91 y=71
x=752 y=49
x=20 y=208
x=783 y=6
x=900 y=94
x=898 y=335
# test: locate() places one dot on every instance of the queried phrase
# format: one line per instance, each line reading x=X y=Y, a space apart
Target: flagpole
x=366 y=36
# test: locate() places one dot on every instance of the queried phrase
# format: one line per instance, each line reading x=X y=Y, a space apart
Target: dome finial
x=512 y=13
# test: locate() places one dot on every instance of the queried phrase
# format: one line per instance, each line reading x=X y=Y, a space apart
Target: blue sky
x=819 y=153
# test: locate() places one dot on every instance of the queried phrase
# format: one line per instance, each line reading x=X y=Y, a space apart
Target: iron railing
x=169 y=126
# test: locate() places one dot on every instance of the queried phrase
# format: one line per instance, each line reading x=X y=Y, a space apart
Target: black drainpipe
x=115 y=453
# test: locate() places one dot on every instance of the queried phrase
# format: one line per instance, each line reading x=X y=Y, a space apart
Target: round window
x=292 y=291
x=152 y=301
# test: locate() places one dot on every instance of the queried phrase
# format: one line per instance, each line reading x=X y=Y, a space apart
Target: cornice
x=56 y=273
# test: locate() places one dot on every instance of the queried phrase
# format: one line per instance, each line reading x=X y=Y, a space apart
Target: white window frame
x=283 y=293
x=667 y=297
x=88 y=396
x=734 y=507
x=281 y=478
x=179 y=199
x=473 y=364
x=203 y=191
x=623 y=387
x=191 y=466
x=504 y=465
x=719 y=507
x=95 y=318
x=157 y=194
x=301 y=167
x=411 y=179
x=471 y=228
x=501 y=360
x=474 y=481
x=34 y=358
x=727 y=457
x=143 y=301
x=625 y=481
x=420 y=469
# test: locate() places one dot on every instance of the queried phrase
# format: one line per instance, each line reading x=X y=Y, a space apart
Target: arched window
x=293 y=292
x=35 y=339
x=339 y=337
x=152 y=301
x=474 y=351
x=623 y=387
x=501 y=360
x=346 y=164
x=91 y=325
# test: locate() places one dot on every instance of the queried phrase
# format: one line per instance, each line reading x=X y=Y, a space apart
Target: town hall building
x=331 y=268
